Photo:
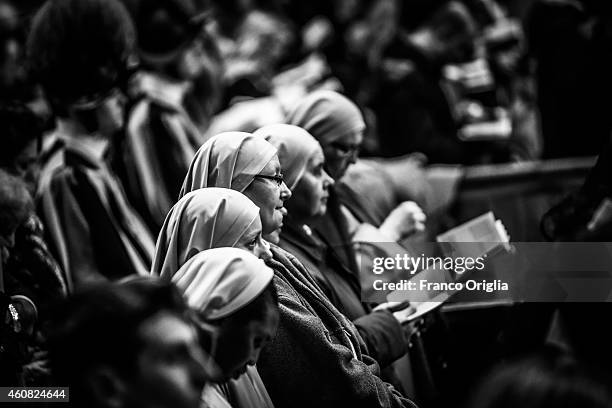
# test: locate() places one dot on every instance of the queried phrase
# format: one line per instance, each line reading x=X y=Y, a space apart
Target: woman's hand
x=406 y=219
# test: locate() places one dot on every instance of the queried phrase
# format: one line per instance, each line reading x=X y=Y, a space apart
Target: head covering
x=327 y=116
x=203 y=219
x=294 y=145
x=218 y=282
x=228 y=160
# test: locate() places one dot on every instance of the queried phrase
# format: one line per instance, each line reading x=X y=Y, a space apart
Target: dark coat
x=380 y=330
x=317 y=358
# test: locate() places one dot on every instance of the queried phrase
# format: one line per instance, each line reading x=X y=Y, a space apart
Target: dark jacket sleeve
x=81 y=232
x=307 y=366
x=383 y=335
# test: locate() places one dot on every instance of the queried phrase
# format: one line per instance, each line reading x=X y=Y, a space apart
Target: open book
x=483 y=235
x=477 y=237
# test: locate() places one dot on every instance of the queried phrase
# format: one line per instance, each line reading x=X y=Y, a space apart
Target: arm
x=307 y=366
x=383 y=335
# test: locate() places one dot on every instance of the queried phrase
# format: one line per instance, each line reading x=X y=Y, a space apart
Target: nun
x=214 y=218
x=236 y=311
x=302 y=158
x=317 y=357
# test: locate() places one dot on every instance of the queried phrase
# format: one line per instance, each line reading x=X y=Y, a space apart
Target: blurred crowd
x=190 y=189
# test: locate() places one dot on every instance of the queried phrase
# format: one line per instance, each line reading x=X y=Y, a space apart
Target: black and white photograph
x=306 y=203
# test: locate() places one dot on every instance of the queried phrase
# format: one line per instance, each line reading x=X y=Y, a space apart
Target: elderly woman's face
x=312 y=191
x=341 y=153
x=269 y=196
x=253 y=241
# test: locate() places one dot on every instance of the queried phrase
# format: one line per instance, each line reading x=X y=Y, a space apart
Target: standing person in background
x=160 y=137
x=94 y=232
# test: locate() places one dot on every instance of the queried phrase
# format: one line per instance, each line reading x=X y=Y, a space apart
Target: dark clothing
x=414 y=114
x=160 y=142
x=317 y=358
x=31 y=270
x=368 y=192
x=91 y=229
x=572 y=51
x=330 y=264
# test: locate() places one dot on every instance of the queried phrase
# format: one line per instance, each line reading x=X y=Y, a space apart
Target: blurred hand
x=316 y=32
x=392 y=306
x=406 y=219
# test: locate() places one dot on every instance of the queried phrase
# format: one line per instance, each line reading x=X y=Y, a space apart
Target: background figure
x=160 y=136
x=13 y=74
x=571 y=45
x=127 y=345
x=236 y=309
x=93 y=231
x=18 y=314
x=21 y=148
x=549 y=380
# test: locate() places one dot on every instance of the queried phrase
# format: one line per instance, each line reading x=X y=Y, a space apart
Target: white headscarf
x=295 y=147
x=203 y=219
x=327 y=115
x=228 y=160
x=218 y=282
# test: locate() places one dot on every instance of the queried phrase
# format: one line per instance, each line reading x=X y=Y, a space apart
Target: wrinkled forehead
x=273 y=166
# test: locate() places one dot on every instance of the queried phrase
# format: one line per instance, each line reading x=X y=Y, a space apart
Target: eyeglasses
x=345 y=150
x=278 y=178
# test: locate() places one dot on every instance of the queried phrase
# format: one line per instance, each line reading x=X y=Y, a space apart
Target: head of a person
x=207 y=218
x=336 y=123
x=21 y=140
x=263 y=38
x=302 y=161
x=128 y=345
x=170 y=35
x=543 y=381
x=13 y=75
x=235 y=305
x=449 y=36
x=245 y=163
x=15 y=207
x=80 y=52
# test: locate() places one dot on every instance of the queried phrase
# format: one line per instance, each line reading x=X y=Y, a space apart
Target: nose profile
x=328 y=181
x=262 y=250
x=254 y=356
x=285 y=192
